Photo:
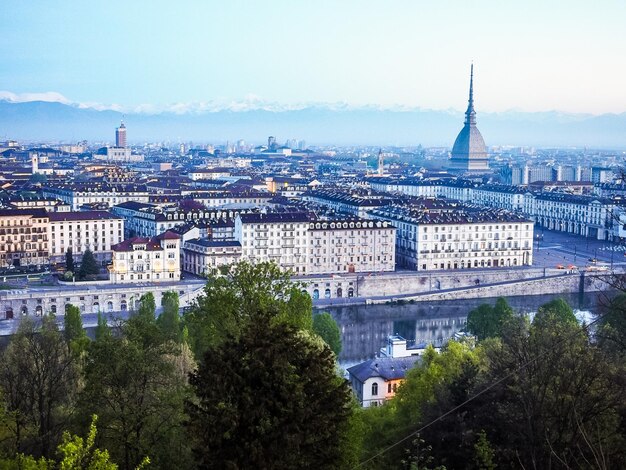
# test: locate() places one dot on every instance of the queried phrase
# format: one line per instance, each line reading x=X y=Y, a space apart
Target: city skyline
x=207 y=56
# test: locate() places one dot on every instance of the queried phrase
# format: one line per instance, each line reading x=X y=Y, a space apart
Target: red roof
x=168 y=235
x=152 y=244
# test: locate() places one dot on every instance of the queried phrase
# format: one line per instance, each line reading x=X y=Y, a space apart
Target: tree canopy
x=233 y=297
x=269 y=398
x=486 y=321
x=326 y=327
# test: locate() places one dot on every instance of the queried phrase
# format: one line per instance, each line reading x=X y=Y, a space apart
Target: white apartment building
x=208 y=173
x=590 y=216
x=140 y=259
x=150 y=220
x=278 y=237
x=119 y=154
x=461 y=239
x=346 y=203
x=97 y=231
x=230 y=199
x=349 y=246
x=79 y=194
x=203 y=256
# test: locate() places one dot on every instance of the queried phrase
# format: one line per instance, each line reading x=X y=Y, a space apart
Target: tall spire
x=470 y=114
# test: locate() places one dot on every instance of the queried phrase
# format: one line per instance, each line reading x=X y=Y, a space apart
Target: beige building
x=146 y=259
x=23 y=237
x=348 y=246
x=203 y=256
x=464 y=238
x=97 y=231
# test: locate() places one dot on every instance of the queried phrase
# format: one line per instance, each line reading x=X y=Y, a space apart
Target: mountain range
x=317 y=124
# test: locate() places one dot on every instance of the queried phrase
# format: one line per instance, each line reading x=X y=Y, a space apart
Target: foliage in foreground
x=269 y=398
x=540 y=395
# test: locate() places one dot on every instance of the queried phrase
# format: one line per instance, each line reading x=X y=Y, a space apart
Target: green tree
x=487 y=321
x=558 y=310
x=76 y=453
x=69 y=260
x=561 y=403
x=169 y=319
x=88 y=265
x=269 y=398
x=136 y=381
x=326 y=326
x=232 y=298
x=73 y=331
x=39 y=379
x=484 y=458
x=79 y=454
x=612 y=326
x=147 y=306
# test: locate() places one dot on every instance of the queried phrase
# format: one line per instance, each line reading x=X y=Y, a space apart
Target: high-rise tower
x=381 y=163
x=469 y=151
x=120 y=136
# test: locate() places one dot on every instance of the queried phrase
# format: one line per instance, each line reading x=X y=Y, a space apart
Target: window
x=374 y=389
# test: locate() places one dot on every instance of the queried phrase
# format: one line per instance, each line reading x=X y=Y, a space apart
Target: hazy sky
x=530 y=55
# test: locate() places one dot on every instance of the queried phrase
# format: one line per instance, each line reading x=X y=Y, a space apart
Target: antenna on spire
x=471 y=93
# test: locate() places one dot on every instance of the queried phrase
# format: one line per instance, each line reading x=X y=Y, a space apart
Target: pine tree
x=69 y=260
x=88 y=265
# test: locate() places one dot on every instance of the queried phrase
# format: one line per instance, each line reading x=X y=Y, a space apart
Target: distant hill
x=39 y=120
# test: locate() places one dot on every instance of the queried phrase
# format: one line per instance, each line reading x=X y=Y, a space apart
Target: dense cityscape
x=297 y=300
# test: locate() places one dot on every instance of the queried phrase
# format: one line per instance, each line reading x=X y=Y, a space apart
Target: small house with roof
x=377 y=380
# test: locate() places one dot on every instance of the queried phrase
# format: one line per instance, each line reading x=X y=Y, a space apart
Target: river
x=365 y=328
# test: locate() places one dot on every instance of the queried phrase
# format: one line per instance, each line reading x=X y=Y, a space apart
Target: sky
x=151 y=55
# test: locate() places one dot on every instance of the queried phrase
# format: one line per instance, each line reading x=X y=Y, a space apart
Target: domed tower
x=469 y=152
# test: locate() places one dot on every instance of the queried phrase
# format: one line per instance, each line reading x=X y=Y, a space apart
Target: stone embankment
x=348 y=289
x=559 y=284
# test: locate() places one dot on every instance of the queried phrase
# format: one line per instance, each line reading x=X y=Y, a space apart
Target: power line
x=473 y=397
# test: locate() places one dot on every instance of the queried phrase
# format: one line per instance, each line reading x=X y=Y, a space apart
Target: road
x=557 y=248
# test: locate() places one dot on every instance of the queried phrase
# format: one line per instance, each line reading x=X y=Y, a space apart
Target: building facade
x=590 y=216
x=23 y=237
x=78 y=194
x=140 y=259
x=277 y=237
x=459 y=239
x=97 y=231
x=204 y=256
x=348 y=246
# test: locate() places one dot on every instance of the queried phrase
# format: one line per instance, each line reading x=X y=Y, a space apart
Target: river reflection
x=365 y=328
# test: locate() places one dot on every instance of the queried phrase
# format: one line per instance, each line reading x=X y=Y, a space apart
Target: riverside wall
x=448 y=285
x=565 y=284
